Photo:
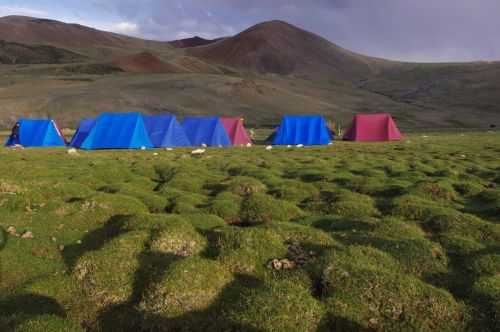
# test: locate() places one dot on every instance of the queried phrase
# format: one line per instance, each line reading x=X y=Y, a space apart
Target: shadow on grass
x=17 y=309
x=95 y=240
x=127 y=317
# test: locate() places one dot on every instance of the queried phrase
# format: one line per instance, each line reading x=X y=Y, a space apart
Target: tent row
x=137 y=131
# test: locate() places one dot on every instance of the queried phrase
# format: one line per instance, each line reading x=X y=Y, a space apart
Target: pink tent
x=373 y=128
x=236 y=131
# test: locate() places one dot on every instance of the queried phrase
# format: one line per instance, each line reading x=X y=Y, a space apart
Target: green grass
x=386 y=236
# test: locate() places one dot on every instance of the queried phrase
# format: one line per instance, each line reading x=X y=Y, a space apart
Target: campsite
x=193 y=166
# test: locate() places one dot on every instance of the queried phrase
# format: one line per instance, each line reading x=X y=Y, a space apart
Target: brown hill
x=15 y=53
x=145 y=63
x=35 y=31
x=280 y=48
x=192 y=42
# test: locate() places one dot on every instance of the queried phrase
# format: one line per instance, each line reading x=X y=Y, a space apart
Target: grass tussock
x=352 y=237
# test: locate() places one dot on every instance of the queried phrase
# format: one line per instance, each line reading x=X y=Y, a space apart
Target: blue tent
x=82 y=132
x=118 y=131
x=303 y=129
x=206 y=130
x=36 y=133
x=165 y=132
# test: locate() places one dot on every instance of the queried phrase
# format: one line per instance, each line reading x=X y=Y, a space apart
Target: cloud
x=21 y=10
x=126 y=28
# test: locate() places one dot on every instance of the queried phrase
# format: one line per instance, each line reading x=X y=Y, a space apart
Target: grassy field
x=352 y=237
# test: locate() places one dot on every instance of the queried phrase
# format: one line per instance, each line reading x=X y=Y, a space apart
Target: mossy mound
x=227 y=206
x=406 y=243
x=155 y=203
x=294 y=191
x=460 y=245
x=468 y=188
x=186 y=203
x=46 y=323
x=277 y=305
x=245 y=185
x=343 y=203
x=374 y=296
x=486 y=291
x=178 y=237
x=247 y=251
x=113 y=204
x=364 y=184
x=191 y=284
x=341 y=224
x=3 y=238
x=486 y=265
x=107 y=275
x=415 y=208
x=262 y=208
x=452 y=223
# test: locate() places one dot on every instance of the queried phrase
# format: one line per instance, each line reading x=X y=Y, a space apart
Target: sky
x=409 y=30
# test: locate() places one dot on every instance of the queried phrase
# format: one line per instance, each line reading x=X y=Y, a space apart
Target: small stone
x=169 y=149
x=373 y=322
x=300 y=146
x=79 y=242
x=275 y=264
x=27 y=235
x=249 y=145
x=269 y=148
x=72 y=151
x=288 y=264
x=198 y=151
x=54 y=239
x=61 y=247
x=12 y=231
x=155 y=154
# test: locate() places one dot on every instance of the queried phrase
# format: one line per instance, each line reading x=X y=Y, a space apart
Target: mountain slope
x=192 y=42
x=28 y=30
x=280 y=48
x=15 y=53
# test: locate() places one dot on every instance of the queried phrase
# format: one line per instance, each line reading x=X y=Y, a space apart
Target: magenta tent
x=236 y=131
x=373 y=128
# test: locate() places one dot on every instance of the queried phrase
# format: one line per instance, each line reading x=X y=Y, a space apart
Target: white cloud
x=20 y=10
x=126 y=28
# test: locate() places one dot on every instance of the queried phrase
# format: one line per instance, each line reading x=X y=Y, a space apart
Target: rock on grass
x=248 y=250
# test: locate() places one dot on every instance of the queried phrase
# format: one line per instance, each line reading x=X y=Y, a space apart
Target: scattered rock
x=249 y=145
x=198 y=151
x=61 y=247
x=288 y=146
x=12 y=231
x=54 y=239
x=79 y=242
x=204 y=145
x=300 y=145
x=169 y=149
x=17 y=147
x=27 y=235
x=155 y=154
x=72 y=151
x=143 y=148
x=373 y=322
x=269 y=148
